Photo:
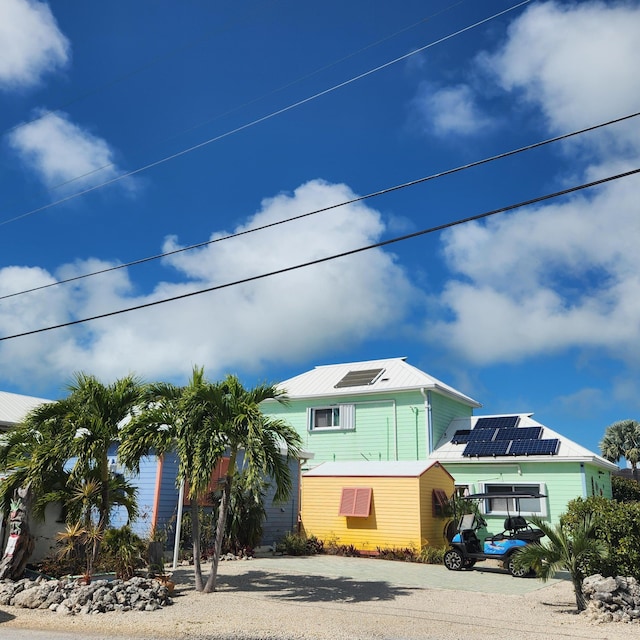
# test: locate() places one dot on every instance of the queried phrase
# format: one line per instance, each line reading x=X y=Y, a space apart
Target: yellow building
x=374 y=505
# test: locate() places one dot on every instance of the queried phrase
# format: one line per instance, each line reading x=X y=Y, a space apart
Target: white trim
x=346 y=413
x=542 y=488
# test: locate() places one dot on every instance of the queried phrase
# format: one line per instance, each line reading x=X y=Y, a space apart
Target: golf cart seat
x=515 y=523
x=519 y=528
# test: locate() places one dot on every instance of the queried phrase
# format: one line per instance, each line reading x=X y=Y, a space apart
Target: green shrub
x=408 y=554
x=618 y=525
x=124 y=550
x=625 y=489
x=432 y=555
x=295 y=544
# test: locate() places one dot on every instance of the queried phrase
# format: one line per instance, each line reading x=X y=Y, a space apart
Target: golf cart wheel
x=514 y=569
x=453 y=560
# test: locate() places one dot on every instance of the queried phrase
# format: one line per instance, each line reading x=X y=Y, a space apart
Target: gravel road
x=331 y=598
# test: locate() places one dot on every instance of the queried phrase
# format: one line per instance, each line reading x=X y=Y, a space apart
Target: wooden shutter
x=440 y=502
x=355 y=502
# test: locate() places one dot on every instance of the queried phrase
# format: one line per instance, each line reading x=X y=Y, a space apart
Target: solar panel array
x=495 y=448
x=461 y=436
x=499 y=422
x=481 y=435
x=524 y=433
x=500 y=436
x=358 y=378
x=547 y=447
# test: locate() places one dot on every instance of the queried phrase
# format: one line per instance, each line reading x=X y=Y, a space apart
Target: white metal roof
x=447 y=452
x=374 y=469
x=397 y=375
x=14 y=407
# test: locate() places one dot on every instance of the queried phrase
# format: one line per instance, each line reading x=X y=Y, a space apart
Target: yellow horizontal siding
x=394 y=520
x=432 y=527
x=401 y=510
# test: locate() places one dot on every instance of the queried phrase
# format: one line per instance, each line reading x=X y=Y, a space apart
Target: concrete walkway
x=485 y=577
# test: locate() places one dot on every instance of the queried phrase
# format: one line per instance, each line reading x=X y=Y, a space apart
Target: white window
x=338 y=417
x=502 y=505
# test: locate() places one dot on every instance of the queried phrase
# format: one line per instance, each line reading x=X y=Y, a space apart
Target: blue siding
x=282 y=517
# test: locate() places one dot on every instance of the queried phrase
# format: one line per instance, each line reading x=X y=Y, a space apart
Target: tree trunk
x=21 y=542
x=581 y=601
x=197 y=551
x=220 y=528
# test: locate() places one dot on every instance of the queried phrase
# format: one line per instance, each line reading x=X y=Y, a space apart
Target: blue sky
x=186 y=122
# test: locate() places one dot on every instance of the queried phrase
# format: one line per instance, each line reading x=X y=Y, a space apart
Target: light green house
x=388 y=410
x=488 y=454
x=379 y=410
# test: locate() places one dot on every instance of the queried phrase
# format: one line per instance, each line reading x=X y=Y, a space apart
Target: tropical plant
x=168 y=419
x=125 y=549
x=246 y=515
x=296 y=544
x=563 y=549
x=617 y=524
x=625 y=489
x=622 y=440
x=232 y=413
x=62 y=451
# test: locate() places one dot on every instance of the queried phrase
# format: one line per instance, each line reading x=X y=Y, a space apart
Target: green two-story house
x=388 y=410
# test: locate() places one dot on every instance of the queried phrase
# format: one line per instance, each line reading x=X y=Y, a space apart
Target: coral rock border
x=612 y=599
x=68 y=597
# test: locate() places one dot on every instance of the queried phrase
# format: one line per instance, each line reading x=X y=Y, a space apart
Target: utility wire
x=373 y=194
x=235 y=109
x=110 y=83
x=335 y=256
x=257 y=121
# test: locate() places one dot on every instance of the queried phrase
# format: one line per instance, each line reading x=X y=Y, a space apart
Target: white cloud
x=567 y=274
x=449 y=110
x=577 y=62
x=290 y=316
x=30 y=42
x=63 y=154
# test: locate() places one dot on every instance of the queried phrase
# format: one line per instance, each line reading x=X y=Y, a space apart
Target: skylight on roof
x=361 y=378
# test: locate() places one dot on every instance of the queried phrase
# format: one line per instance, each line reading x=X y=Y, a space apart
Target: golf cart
x=467 y=548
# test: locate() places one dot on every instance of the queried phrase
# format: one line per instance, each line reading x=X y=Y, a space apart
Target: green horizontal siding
x=389 y=427
x=443 y=411
x=563 y=482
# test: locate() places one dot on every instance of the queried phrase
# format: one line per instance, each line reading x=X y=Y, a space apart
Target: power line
x=257 y=121
x=376 y=245
x=374 y=194
x=110 y=83
x=229 y=111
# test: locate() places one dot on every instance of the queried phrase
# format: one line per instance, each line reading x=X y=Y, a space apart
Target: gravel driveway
x=333 y=598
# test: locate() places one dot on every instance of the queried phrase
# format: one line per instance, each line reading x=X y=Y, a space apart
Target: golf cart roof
x=504 y=494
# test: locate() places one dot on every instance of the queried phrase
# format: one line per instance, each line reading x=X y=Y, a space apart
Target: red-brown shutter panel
x=355 y=502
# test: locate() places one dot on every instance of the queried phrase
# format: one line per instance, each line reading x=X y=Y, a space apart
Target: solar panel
x=359 y=378
x=497 y=448
x=499 y=422
x=523 y=433
x=481 y=435
x=547 y=447
x=461 y=436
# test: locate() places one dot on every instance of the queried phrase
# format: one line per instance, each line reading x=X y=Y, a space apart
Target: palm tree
x=622 y=440
x=233 y=411
x=65 y=444
x=563 y=549
x=167 y=420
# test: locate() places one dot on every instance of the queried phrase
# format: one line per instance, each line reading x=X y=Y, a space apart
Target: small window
x=337 y=417
x=355 y=502
x=513 y=506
